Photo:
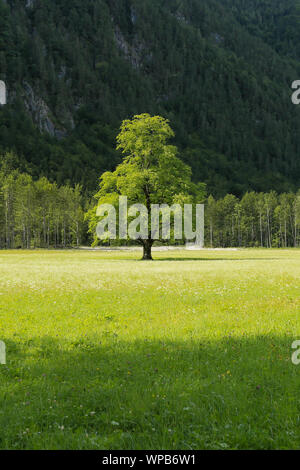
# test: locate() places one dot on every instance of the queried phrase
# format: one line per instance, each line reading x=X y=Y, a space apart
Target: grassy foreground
x=192 y=351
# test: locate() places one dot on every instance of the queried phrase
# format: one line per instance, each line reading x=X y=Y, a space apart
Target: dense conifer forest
x=219 y=70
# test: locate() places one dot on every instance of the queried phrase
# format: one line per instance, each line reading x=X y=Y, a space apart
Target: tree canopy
x=151 y=172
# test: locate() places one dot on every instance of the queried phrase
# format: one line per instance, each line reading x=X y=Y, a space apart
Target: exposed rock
x=133 y=53
x=29 y=3
x=180 y=17
x=133 y=15
x=63 y=71
x=40 y=113
x=218 y=39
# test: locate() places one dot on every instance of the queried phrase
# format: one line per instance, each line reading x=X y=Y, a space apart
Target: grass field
x=192 y=351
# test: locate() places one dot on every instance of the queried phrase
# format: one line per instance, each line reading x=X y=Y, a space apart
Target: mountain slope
x=218 y=71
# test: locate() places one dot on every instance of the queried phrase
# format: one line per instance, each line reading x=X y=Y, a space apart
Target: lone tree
x=151 y=173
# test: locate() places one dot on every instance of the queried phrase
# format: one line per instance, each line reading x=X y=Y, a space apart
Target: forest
x=41 y=214
x=37 y=213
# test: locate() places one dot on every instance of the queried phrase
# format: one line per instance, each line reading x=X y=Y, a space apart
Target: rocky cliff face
x=37 y=108
x=132 y=52
x=41 y=113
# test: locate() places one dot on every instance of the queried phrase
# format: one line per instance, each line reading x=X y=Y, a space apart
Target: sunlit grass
x=191 y=351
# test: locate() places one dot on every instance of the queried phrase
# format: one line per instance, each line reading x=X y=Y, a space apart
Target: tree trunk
x=147 y=246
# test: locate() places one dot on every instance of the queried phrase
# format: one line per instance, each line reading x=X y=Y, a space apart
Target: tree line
x=39 y=214
x=256 y=220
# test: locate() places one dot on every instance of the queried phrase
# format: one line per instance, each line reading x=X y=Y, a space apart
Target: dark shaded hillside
x=277 y=22
x=221 y=71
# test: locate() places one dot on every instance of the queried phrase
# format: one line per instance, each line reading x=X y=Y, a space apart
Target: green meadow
x=190 y=351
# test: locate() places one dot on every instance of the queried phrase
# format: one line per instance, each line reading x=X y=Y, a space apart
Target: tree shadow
x=217 y=259
x=232 y=393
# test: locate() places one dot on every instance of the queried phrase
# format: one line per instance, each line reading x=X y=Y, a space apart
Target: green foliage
x=151 y=172
x=256 y=220
x=38 y=213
